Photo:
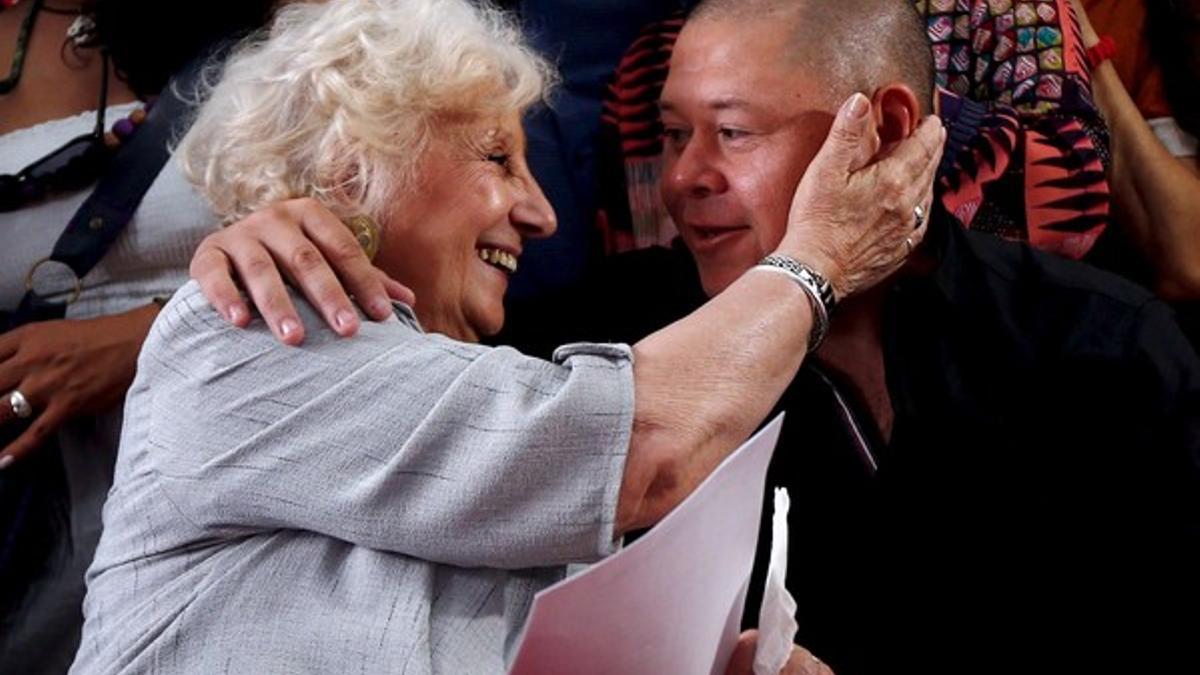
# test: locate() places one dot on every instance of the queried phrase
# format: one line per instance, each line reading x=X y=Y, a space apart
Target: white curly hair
x=339 y=100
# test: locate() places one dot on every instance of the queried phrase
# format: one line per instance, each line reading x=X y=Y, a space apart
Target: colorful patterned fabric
x=1024 y=54
x=1026 y=159
x=1027 y=149
x=1028 y=177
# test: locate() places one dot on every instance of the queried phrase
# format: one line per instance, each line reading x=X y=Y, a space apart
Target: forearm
x=703 y=384
x=1154 y=194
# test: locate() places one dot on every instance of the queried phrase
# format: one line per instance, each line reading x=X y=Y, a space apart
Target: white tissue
x=777 y=616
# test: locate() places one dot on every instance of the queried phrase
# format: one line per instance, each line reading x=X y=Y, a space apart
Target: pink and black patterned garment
x=1026 y=152
x=1027 y=148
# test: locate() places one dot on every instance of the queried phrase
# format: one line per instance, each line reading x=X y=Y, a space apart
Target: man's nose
x=693 y=171
x=532 y=214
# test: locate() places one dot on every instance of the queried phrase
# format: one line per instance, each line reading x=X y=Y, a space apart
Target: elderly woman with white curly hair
x=393 y=502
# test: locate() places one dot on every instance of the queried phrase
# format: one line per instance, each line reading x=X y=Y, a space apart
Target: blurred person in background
x=1145 y=67
x=91 y=235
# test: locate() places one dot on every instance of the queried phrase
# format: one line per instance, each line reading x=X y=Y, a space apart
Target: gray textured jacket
x=388 y=503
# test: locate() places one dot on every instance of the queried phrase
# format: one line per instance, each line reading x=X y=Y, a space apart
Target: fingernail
x=5 y=462
x=236 y=313
x=856 y=107
x=345 y=319
x=288 y=327
x=381 y=308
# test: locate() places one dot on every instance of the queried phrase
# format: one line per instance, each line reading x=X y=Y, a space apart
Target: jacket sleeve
x=394 y=439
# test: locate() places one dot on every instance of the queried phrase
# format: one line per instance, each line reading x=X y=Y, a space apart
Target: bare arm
x=1155 y=194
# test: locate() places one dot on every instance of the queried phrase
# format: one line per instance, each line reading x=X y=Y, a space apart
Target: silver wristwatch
x=815 y=285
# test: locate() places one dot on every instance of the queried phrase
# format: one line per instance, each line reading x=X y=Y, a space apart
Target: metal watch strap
x=814 y=284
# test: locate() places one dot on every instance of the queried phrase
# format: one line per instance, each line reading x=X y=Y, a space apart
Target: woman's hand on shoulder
x=302 y=242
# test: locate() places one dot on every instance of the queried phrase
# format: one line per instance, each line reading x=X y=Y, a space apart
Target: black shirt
x=1037 y=506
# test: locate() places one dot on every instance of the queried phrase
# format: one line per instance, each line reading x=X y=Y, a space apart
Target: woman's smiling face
x=458 y=234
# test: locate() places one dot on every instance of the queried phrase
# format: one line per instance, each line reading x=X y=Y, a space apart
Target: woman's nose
x=532 y=213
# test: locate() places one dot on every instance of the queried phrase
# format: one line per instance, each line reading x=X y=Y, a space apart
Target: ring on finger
x=19 y=404
x=919 y=214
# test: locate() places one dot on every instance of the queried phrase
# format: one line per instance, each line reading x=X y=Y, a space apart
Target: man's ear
x=897 y=114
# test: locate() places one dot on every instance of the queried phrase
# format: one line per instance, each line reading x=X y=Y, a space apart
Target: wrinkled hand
x=801 y=662
x=852 y=211
x=68 y=368
x=302 y=240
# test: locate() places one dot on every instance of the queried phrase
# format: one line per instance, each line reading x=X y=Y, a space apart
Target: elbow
x=1180 y=282
x=665 y=463
x=1178 y=252
x=653 y=477
x=663 y=493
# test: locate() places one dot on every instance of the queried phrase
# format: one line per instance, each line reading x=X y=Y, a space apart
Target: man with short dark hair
x=1028 y=429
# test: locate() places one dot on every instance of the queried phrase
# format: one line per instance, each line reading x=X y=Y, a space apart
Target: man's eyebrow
x=723 y=103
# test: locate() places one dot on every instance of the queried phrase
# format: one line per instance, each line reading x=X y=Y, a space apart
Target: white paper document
x=671 y=602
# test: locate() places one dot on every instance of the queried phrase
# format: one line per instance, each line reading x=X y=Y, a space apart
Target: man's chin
x=719 y=267
x=715 y=280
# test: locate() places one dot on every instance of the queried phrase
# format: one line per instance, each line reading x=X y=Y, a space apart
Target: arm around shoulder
x=395 y=439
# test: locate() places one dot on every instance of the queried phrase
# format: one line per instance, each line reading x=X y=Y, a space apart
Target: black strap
x=110 y=207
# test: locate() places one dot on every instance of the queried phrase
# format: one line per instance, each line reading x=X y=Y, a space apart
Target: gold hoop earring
x=366 y=231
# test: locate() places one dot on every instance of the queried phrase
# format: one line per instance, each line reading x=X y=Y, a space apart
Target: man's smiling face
x=742 y=122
